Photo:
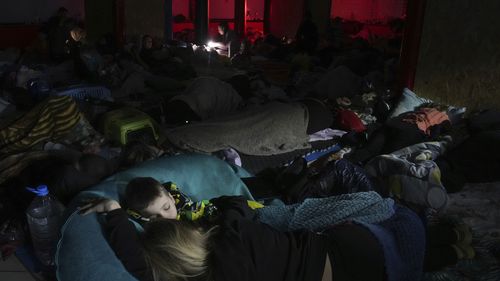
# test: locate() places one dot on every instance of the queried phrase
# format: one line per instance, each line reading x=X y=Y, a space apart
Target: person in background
x=85 y=57
x=161 y=60
x=307 y=36
x=229 y=41
x=243 y=58
x=136 y=152
x=57 y=30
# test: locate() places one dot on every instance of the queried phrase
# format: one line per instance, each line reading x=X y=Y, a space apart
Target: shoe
x=464 y=252
x=464 y=234
x=339 y=154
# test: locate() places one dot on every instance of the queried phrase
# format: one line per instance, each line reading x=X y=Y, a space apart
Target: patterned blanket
x=478 y=205
x=56 y=119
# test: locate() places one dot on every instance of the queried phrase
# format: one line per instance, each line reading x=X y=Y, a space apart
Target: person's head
x=135 y=152
x=62 y=12
x=244 y=47
x=147 y=197
x=78 y=33
x=147 y=42
x=176 y=250
x=223 y=28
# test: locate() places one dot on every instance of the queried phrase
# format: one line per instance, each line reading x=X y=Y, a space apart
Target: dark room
x=250 y=140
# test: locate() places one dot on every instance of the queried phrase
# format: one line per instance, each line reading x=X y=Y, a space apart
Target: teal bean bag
x=83 y=252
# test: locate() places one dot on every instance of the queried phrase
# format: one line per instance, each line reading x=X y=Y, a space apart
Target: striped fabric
x=50 y=120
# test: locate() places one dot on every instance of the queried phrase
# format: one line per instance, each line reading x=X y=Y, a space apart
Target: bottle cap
x=41 y=190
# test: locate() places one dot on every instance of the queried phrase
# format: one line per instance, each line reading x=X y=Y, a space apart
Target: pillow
x=83 y=252
x=408 y=102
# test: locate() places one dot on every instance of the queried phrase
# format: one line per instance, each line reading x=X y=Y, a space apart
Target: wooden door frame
x=410 y=46
x=119 y=21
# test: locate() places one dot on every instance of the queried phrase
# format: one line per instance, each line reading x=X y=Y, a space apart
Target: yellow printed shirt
x=187 y=209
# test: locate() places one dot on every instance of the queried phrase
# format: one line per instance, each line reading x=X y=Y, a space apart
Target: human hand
x=99 y=205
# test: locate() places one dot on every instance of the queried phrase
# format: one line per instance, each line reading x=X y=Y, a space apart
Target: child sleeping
x=146 y=199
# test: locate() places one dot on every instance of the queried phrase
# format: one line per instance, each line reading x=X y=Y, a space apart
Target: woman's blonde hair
x=176 y=250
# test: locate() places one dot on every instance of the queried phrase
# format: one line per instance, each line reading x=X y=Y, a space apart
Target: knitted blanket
x=319 y=213
x=399 y=230
x=271 y=129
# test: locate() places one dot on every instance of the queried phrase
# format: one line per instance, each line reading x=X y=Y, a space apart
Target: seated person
x=57 y=30
x=229 y=43
x=147 y=53
x=86 y=59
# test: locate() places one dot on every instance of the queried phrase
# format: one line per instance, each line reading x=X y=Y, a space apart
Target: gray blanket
x=210 y=97
x=265 y=130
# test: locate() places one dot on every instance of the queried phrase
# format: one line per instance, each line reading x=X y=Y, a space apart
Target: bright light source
x=211 y=44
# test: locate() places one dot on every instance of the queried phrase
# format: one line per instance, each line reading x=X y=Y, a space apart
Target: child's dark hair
x=140 y=192
x=135 y=152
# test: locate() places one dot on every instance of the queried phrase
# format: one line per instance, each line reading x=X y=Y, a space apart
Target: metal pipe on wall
x=201 y=21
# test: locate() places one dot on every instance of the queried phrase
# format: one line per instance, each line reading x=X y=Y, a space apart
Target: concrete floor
x=13 y=270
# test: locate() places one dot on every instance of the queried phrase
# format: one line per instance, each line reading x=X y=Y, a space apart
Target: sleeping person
x=238 y=247
x=268 y=129
x=349 y=224
x=147 y=199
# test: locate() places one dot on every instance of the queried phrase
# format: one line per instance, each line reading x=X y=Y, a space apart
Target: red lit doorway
x=255 y=17
x=370 y=19
x=183 y=20
x=401 y=20
x=249 y=18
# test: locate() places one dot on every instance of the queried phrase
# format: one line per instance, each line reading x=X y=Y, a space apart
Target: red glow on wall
x=368 y=18
x=250 y=12
x=19 y=35
x=368 y=10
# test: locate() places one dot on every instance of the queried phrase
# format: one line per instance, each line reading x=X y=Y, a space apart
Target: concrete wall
x=255 y=9
x=30 y=11
x=144 y=17
x=100 y=13
x=459 y=58
x=180 y=7
x=221 y=9
x=320 y=11
x=285 y=17
x=366 y=10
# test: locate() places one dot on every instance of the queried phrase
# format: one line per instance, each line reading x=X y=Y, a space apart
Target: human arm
x=122 y=237
x=233 y=208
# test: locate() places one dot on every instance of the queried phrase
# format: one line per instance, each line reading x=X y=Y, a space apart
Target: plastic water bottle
x=44 y=214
